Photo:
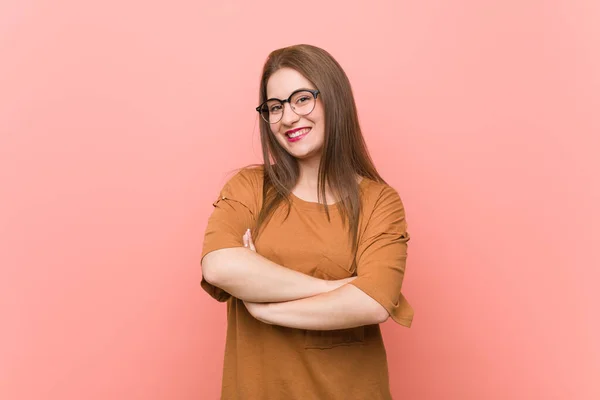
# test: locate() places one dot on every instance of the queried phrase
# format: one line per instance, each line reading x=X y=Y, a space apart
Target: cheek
x=319 y=109
x=319 y=117
x=275 y=129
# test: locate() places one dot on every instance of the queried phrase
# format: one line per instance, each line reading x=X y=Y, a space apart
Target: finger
x=251 y=242
x=245 y=240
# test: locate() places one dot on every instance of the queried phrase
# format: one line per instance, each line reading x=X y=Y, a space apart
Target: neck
x=307 y=184
x=309 y=172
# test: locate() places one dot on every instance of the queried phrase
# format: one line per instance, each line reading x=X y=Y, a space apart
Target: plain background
x=121 y=120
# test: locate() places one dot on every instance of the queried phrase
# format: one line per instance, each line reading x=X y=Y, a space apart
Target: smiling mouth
x=298 y=133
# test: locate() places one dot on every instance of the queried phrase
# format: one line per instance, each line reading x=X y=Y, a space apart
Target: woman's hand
x=248 y=243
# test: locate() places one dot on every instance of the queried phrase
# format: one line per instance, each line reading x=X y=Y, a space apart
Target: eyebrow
x=302 y=88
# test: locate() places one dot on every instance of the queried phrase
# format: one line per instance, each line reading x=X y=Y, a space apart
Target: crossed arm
x=277 y=295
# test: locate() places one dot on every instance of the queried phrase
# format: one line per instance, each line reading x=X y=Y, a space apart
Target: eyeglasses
x=302 y=102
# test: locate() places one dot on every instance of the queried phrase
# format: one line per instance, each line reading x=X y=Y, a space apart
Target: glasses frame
x=314 y=92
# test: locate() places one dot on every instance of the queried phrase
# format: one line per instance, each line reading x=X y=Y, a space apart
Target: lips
x=295 y=130
x=297 y=134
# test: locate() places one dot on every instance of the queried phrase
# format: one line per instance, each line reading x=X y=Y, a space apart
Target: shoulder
x=244 y=186
x=382 y=204
x=378 y=194
x=250 y=177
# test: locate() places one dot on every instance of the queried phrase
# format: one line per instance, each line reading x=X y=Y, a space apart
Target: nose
x=289 y=116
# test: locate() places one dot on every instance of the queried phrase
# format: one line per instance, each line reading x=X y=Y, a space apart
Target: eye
x=275 y=108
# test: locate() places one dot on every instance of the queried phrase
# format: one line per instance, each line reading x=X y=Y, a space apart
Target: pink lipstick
x=297 y=134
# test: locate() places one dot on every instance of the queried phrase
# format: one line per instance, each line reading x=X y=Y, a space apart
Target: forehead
x=284 y=81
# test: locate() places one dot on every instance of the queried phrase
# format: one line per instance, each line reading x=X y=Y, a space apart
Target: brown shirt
x=265 y=361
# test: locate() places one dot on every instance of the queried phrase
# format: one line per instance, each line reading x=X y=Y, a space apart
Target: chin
x=305 y=156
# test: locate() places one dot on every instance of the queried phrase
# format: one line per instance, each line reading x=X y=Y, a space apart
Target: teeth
x=298 y=133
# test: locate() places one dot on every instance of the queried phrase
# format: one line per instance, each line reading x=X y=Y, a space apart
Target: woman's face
x=309 y=144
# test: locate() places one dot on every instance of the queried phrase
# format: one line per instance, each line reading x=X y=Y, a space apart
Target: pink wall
x=119 y=121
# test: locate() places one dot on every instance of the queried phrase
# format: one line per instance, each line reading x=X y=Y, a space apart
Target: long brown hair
x=344 y=154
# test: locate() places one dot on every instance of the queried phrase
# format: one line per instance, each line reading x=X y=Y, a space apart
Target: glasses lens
x=272 y=111
x=303 y=103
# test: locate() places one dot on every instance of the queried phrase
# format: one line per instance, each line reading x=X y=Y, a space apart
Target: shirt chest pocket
x=334 y=338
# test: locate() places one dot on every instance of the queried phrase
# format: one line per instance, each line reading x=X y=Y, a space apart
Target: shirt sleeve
x=234 y=211
x=381 y=256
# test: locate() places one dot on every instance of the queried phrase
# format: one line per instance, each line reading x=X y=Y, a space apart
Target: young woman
x=309 y=248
